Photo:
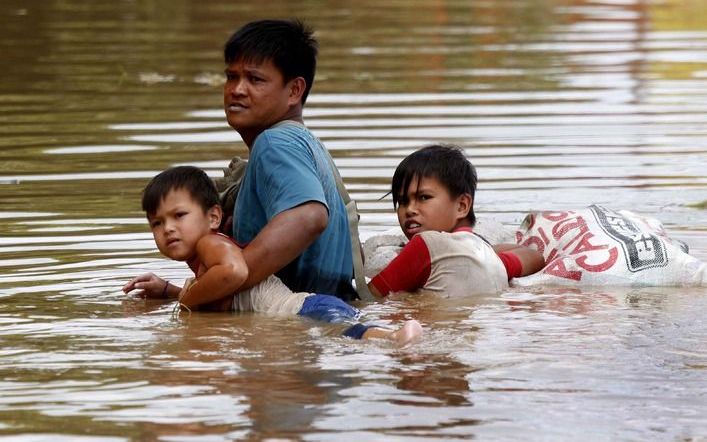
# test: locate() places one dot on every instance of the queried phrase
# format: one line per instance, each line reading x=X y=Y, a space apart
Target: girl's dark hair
x=192 y=179
x=289 y=44
x=446 y=163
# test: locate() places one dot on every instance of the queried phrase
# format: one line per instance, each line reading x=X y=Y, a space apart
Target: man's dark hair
x=192 y=179
x=289 y=44
x=446 y=163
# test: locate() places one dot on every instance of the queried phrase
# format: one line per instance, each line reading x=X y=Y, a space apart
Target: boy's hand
x=149 y=284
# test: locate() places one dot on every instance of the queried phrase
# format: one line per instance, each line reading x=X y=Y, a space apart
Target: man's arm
x=530 y=259
x=283 y=239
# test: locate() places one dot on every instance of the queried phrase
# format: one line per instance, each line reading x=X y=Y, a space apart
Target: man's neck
x=249 y=138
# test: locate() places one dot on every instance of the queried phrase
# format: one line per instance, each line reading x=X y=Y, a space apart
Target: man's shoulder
x=286 y=142
x=286 y=132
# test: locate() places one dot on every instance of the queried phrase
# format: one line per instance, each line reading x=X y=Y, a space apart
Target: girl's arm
x=225 y=273
x=531 y=260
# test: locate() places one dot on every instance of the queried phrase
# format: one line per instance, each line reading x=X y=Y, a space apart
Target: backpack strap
x=228 y=188
x=356 y=249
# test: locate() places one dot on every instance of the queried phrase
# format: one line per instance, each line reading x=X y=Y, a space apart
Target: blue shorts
x=327 y=308
x=331 y=309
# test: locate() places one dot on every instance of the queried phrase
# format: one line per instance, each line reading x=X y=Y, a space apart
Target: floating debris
x=700 y=205
x=209 y=79
x=154 y=77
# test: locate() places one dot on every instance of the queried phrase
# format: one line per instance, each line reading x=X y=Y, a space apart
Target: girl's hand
x=150 y=286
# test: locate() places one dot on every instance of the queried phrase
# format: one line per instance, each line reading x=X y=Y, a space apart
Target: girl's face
x=427 y=205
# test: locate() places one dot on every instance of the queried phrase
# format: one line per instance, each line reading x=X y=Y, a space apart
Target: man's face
x=255 y=96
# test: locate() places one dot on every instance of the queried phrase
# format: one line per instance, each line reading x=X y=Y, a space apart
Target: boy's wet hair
x=446 y=163
x=288 y=44
x=190 y=178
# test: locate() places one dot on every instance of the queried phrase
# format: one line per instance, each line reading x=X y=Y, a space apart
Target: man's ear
x=215 y=214
x=297 y=87
x=464 y=203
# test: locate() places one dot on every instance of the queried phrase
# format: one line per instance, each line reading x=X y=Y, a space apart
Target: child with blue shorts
x=182 y=208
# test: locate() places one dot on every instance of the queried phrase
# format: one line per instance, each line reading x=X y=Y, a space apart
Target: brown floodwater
x=559 y=103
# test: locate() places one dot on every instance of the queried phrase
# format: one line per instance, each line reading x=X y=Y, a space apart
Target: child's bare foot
x=410 y=331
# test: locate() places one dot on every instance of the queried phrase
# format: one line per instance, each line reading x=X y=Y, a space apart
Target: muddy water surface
x=558 y=103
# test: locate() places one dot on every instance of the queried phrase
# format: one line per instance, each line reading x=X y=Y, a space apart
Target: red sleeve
x=408 y=271
x=512 y=264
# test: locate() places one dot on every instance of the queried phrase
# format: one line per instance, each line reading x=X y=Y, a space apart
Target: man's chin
x=234 y=123
x=240 y=126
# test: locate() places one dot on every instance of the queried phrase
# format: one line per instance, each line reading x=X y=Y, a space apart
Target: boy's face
x=180 y=223
x=256 y=96
x=427 y=205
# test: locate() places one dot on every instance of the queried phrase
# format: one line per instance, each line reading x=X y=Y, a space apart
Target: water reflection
x=558 y=104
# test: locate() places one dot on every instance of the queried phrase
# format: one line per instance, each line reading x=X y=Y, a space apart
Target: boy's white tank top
x=463 y=264
x=270 y=296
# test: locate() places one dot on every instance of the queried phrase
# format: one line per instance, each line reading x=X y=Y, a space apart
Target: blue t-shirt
x=288 y=167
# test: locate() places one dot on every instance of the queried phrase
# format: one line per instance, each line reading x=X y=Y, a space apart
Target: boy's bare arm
x=225 y=273
x=283 y=239
x=530 y=259
x=152 y=286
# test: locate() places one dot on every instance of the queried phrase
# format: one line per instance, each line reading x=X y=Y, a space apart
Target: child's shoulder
x=463 y=234
x=459 y=240
x=216 y=238
x=215 y=248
